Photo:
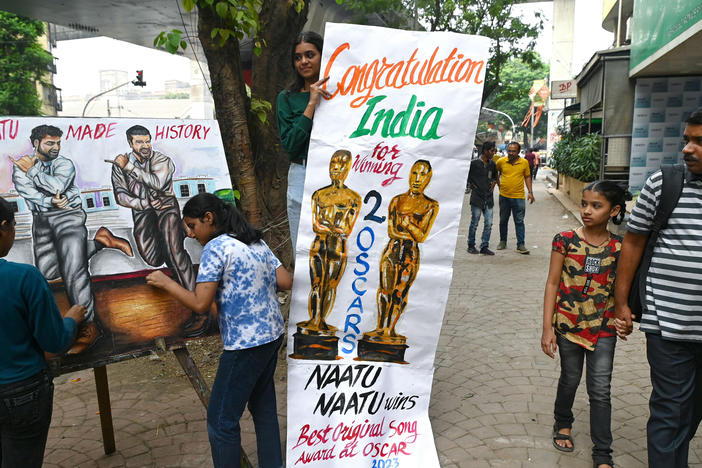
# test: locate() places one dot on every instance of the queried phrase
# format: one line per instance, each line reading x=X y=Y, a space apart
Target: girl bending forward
x=240 y=273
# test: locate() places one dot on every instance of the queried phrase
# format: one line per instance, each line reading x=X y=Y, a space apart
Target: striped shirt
x=673 y=306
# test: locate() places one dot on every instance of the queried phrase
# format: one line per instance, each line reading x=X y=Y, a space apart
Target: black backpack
x=673 y=177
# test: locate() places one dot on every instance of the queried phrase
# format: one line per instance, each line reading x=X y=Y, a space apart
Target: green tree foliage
x=577 y=156
x=22 y=63
x=182 y=95
x=512 y=94
x=510 y=36
x=257 y=163
x=399 y=14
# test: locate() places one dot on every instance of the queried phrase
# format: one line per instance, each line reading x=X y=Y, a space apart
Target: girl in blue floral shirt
x=240 y=273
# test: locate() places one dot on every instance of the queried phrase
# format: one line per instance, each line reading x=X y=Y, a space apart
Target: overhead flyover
x=132 y=21
x=139 y=21
x=136 y=21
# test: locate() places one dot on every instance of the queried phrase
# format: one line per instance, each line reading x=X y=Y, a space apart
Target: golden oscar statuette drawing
x=335 y=209
x=410 y=218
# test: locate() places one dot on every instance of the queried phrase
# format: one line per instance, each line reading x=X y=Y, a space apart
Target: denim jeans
x=597 y=379
x=475 y=213
x=515 y=207
x=243 y=376
x=296 y=187
x=25 y=417
x=674 y=369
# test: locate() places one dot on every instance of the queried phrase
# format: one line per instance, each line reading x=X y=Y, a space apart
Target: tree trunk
x=271 y=72
x=258 y=165
x=232 y=107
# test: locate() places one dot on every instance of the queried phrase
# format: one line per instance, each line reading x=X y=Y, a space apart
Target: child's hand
x=158 y=279
x=623 y=320
x=548 y=342
x=77 y=313
x=623 y=329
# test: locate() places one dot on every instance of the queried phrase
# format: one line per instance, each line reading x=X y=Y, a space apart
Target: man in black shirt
x=482 y=179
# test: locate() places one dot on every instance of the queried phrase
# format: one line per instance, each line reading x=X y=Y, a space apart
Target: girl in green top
x=295 y=110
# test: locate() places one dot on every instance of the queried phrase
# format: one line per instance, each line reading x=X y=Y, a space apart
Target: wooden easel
x=189 y=367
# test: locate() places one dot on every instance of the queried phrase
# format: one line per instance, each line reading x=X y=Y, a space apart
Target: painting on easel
x=98 y=207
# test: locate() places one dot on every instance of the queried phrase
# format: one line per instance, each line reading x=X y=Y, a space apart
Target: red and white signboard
x=564 y=89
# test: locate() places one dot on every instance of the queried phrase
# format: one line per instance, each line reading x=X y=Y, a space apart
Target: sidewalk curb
x=563 y=199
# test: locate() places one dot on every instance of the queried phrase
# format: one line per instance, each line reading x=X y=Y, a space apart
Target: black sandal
x=558 y=436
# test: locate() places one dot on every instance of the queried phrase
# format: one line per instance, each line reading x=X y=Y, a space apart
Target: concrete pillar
x=563 y=27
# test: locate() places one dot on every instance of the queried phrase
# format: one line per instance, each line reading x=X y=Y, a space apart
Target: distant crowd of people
x=511 y=174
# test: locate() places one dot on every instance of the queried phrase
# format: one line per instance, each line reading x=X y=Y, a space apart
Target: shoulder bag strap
x=671 y=189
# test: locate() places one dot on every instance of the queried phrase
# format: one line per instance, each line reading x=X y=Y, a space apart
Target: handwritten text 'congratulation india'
x=367 y=78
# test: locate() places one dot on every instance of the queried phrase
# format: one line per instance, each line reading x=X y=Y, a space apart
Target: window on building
x=15 y=206
x=184 y=191
x=201 y=188
x=105 y=201
x=90 y=203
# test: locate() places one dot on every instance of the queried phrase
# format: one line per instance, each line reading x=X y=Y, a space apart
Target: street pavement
x=493 y=392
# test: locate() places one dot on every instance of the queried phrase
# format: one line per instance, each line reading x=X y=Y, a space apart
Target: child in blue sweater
x=31 y=325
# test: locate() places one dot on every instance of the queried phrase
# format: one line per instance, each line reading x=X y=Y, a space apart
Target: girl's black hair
x=7 y=213
x=615 y=194
x=227 y=218
x=310 y=37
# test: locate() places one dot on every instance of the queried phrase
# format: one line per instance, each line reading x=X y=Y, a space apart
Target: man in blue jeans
x=482 y=179
x=598 y=376
x=514 y=173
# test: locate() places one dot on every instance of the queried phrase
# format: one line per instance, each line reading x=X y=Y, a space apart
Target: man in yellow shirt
x=514 y=173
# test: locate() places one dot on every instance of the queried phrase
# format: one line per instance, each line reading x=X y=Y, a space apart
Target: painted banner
x=661 y=106
x=386 y=172
x=98 y=207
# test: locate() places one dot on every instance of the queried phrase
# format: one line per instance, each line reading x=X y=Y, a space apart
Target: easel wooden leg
x=200 y=386
x=193 y=373
x=103 y=396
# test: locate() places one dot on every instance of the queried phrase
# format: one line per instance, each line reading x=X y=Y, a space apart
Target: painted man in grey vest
x=143 y=181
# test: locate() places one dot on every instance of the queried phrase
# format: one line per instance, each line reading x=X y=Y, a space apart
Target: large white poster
x=386 y=173
x=661 y=106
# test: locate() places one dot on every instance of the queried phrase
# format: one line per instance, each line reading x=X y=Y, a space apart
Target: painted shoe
x=109 y=240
